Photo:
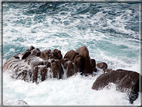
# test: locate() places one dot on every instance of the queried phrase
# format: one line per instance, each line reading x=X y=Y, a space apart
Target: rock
x=16 y=56
x=108 y=70
x=31 y=48
x=35 y=74
x=48 y=64
x=19 y=103
x=77 y=63
x=102 y=65
x=57 y=54
x=45 y=54
x=94 y=65
x=34 y=61
x=54 y=69
x=126 y=81
x=60 y=69
x=36 y=52
x=43 y=71
x=70 y=69
x=76 y=60
x=34 y=65
x=63 y=60
x=70 y=55
x=48 y=54
x=86 y=66
x=26 y=54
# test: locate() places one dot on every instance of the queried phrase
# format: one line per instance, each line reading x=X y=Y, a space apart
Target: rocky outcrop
x=126 y=81
x=34 y=65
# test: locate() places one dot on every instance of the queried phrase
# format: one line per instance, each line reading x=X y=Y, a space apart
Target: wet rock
x=86 y=66
x=19 y=103
x=57 y=54
x=94 y=65
x=102 y=65
x=77 y=63
x=60 y=69
x=43 y=72
x=64 y=60
x=36 y=52
x=54 y=69
x=108 y=70
x=70 y=55
x=31 y=48
x=35 y=74
x=26 y=54
x=126 y=81
x=48 y=64
x=16 y=56
x=45 y=54
x=34 y=65
x=70 y=69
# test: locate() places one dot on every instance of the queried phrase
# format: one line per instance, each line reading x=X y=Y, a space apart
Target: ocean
x=110 y=31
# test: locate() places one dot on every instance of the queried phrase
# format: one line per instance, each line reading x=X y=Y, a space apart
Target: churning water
x=110 y=31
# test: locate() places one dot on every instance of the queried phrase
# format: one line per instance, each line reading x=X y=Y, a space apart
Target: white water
x=75 y=90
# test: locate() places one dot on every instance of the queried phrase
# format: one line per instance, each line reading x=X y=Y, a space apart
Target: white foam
x=75 y=90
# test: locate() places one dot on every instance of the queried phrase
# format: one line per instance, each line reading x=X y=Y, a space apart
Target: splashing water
x=110 y=31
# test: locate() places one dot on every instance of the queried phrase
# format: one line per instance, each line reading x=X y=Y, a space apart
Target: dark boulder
x=57 y=54
x=47 y=63
x=54 y=69
x=70 y=55
x=102 y=65
x=26 y=54
x=86 y=66
x=94 y=65
x=77 y=63
x=45 y=54
x=36 y=52
x=60 y=69
x=31 y=48
x=126 y=81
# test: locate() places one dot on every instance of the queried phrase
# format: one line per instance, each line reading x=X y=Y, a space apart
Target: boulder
x=35 y=74
x=45 y=54
x=126 y=81
x=36 y=52
x=86 y=66
x=57 y=54
x=26 y=54
x=108 y=70
x=31 y=48
x=60 y=69
x=77 y=63
x=94 y=65
x=47 y=63
x=54 y=69
x=102 y=65
x=76 y=60
x=64 y=60
x=70 y=55
x=43 y=72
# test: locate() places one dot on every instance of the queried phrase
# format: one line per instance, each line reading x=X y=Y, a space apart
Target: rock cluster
x=34 y=65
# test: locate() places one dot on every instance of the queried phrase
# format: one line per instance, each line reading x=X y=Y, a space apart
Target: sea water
x=110 y=31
